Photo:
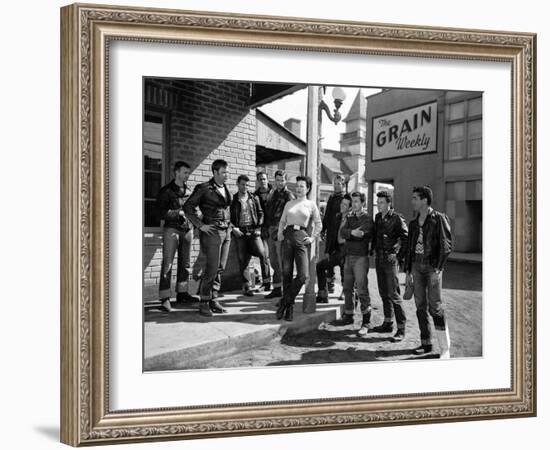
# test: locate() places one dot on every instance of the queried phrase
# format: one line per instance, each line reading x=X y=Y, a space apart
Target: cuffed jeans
x=274 y=251
x=215 y=247
x=326 y=266
x=356 y=269
x=294 y=250
x=174 y=240
x=427 y=296
x=387 y=271
x=250 y=245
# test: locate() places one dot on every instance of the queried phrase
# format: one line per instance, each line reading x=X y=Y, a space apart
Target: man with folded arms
x=357 y=231
x=213 y=199
x=247 y=218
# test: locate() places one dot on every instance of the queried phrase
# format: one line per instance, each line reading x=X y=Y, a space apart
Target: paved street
x=249 y=335
x=330 y=344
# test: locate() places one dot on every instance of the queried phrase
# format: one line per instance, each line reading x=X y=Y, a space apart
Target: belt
x=295 y=227
x=220 y=223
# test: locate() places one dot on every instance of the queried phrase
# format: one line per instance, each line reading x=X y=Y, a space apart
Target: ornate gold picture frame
x=86 y=34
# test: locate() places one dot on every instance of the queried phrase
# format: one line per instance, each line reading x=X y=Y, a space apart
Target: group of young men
x=350 y=234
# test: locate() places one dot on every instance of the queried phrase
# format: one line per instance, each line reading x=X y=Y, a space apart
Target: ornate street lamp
x=339 y=96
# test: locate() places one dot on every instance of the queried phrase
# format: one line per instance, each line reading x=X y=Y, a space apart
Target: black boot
x=185 y=297
x=386 y=327
x=423 y=349
x=289 y=313
x=204 y=309
x=275 y=293
x=399 y=335
x=281 y=309
x=216 y=307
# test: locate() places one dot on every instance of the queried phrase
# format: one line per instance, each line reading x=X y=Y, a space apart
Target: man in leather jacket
x=213 y=199
x=264 y=191
x=390 y=245
x=177 y=236
x=331 y=225
x=275 y=204
x=247 y=218
x=429 y=244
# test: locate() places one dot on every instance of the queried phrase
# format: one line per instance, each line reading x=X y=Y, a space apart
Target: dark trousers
x=294 y=251
x=325 y=268
x=247 y=246
x=356 y=269
x=174 y=240
x=274 y=251
x=387 y=271
x=215 y=247
x=427 y=296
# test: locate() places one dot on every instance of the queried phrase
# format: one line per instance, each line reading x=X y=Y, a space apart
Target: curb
x=199 y=356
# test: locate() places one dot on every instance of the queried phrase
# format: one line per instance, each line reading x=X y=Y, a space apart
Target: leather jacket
x=390 y=234
x=437 y=237
x=330 y=221
x=357 y=246
x=275 y=204
x=212 y=204
x=256 y=212
x=170 y=201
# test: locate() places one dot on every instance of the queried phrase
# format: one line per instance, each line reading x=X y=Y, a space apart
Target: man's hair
x=179 y=164
x=424 y=192
x=385 y=194
x=360 y=195
x=218 y=164
x=242 y=177
x=347 y=197
x=339 y=176
x=280 y=173
x=259 y=174
x=307 y=180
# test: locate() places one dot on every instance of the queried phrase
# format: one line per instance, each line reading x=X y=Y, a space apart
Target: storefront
x=429 y=137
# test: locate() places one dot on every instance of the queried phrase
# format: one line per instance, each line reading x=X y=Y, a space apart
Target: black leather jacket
x=438 y=240
x=275 y=204
x=390 y=234
x=170 y=200
x=256 y=211
x=212 y=204
x=330 y=221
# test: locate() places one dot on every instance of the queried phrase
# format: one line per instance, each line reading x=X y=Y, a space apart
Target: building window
x=154 y=144
x=464 y=129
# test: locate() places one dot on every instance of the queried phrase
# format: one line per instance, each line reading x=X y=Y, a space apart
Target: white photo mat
x=130 y=388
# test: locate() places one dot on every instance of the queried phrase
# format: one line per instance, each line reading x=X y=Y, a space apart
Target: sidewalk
x=184 y=339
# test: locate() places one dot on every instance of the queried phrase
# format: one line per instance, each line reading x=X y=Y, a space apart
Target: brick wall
x=207 y=120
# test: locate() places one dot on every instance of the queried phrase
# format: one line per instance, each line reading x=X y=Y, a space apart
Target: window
x=464 y=129
x=153 y=166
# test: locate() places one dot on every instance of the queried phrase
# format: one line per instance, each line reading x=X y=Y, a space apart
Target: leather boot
x=281 y=309
x=216 y=307
x=386 y=327
x=275 y=293
x=289 y=313
x=204 y=309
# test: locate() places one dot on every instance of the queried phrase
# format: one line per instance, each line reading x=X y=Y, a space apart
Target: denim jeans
x=274 y=251
x=294 y=250
x=356 y=269
x=247 y=246
x=387 y=271
x=215 y=247
x=326 y=266
x=174 y=240
x=427 y=296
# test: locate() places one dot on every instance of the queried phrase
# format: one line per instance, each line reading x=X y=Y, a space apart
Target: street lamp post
x=316 y=105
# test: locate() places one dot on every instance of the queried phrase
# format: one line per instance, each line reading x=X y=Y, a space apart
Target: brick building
x=197 y=122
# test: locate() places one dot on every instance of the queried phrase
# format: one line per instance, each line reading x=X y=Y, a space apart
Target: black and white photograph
x=290 y=224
